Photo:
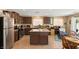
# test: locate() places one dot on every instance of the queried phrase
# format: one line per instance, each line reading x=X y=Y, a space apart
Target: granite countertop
x=39 y=30
x=15 y=29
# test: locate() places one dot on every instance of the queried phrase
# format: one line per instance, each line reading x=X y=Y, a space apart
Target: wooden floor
x=24 y=43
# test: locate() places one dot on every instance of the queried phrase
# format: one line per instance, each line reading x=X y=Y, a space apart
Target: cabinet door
x=44 y=38
x=34 y=38
x=16 y=36
x=46 y=20
x=27 y=20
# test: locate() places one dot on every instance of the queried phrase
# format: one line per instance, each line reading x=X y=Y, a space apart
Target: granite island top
x=39 y=30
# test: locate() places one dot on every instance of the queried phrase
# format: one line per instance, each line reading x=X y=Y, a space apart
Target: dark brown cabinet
x=44 y=38
x=39 y=38
x=27 y=20
x=16 y=16
x=16 y=38
x=46 y=20
x=34 y=38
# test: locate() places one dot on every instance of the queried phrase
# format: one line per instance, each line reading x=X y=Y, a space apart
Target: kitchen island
x=39 y=36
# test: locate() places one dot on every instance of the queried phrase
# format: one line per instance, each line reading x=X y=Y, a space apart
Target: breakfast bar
x=39 y=36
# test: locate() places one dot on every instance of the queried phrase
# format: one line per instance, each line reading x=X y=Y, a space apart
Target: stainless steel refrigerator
x=6 y=32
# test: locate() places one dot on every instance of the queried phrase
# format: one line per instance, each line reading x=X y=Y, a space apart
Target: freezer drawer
x=10 y=38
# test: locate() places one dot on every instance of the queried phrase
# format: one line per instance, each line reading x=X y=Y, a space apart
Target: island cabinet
x=44 y=37
x=39 y=37
x=34 y=38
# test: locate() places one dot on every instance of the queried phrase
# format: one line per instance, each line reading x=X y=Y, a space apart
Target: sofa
x=61 y=34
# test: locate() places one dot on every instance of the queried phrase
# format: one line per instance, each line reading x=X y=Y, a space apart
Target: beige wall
x=67 y=23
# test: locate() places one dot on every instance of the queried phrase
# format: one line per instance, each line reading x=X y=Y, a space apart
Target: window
x=58 y=21
x=37 y=21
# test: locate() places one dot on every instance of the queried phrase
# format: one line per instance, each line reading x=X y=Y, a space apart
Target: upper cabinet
x=46 y=20
x=27 y=20
x=16 y=16
x=19 y=19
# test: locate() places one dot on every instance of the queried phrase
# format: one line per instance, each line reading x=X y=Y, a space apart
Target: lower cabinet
x=39 y=38
x=44 y=38
x=16 y=38
x=34 y=38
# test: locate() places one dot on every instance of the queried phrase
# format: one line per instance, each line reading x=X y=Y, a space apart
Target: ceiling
x=45 y=12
